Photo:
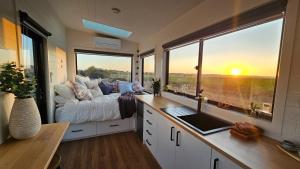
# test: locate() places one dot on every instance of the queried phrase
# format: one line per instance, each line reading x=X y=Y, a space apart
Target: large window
x=235 y=69
x=104 y=65
x=148 y=72
x=182 y=73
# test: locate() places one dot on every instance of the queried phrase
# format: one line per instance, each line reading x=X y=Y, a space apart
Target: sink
x=205 y=124
x=201 y=122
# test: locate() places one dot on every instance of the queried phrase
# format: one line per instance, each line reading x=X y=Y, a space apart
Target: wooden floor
x=117 y=151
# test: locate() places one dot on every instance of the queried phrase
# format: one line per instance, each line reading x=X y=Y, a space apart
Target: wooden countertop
x=259 y=154
x=33 y=153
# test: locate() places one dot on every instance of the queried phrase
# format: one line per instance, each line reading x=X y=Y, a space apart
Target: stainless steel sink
x=201 y=122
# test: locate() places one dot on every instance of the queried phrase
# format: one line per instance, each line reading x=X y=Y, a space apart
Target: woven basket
x=25 y=120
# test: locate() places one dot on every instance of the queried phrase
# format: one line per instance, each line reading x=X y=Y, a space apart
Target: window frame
x=266 y=13
x=143 y=56
x=114 y=54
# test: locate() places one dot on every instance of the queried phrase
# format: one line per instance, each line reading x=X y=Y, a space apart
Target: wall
x=286 y=121
x=8 y=53
x=43 y=14
x=83 y=40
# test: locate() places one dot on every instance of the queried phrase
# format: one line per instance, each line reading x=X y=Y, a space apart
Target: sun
x=235 y=71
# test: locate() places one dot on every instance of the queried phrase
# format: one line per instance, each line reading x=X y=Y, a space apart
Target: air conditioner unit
x=108 y=43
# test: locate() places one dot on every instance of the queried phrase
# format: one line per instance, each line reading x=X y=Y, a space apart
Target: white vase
x=25 y=120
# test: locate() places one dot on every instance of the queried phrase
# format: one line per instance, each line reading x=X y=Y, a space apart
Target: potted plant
x=25 y=120
x=156 y=86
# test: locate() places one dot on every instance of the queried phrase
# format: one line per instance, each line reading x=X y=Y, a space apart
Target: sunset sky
x=252 y=51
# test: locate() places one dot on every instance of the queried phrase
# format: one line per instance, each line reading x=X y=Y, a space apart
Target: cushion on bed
x=94 y=88
x=82 y=92
x=105 y=88
x=65 y=91
x=125 y=87
x=61 y=101
x=137 y=87
x=82 y=79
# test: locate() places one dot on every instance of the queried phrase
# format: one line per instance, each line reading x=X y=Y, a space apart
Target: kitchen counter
x=259 y=154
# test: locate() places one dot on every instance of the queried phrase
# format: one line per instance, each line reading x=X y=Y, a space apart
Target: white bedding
x=101 y=108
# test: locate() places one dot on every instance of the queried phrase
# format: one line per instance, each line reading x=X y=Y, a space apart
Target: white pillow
x=64 y=91
x=82 y=79
x=93 y=86
x=82 y=92
x=61 y=101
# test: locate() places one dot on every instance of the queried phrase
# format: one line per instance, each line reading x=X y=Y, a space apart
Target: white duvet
x=101 y=108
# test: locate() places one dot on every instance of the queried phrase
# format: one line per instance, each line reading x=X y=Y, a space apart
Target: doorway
x=33 y=51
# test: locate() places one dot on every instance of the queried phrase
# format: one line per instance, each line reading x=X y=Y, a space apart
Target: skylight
x=101 y=28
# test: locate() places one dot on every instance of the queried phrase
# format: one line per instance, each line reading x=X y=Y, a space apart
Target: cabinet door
x=166 y=143
x=218 y=161
x=190 y=152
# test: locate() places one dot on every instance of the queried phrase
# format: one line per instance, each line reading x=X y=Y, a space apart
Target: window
x=148 y=72
x=240 y=68
x=182 y=72
x=113 y=66
x=234 y=68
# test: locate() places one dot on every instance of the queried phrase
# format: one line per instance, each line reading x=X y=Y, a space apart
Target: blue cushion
x=106 y=89
x=125 y=87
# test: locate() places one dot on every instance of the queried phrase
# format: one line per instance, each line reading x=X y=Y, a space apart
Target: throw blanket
x=127 y=105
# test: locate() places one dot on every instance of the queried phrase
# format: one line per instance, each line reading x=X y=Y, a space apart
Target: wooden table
x=33 y=153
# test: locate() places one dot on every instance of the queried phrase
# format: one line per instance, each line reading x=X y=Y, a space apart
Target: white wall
x=286 y=121
x=83 y=40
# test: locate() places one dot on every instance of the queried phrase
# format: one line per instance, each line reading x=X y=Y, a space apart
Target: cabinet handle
x=216 y=160
x=177 y=138
x=149 y=122
x=171 y=137
x=75 y=131
x=149 y=111
x=148 y=132
x=148 y=142
x=114 y=125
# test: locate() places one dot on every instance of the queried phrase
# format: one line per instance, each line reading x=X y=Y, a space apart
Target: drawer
x=107 y=127
x=149 y=112
x=149 y=132
x=83 y=130
x=149 y=123
x=151 y=142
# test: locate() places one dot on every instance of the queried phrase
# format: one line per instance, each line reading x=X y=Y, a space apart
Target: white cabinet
x=177 y=149
x=166 y=143
x=190 y=152
x=218 y=161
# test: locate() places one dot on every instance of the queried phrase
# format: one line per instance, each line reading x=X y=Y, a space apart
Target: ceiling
x=142 y=17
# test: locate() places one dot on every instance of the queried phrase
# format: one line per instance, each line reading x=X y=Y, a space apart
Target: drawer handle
x=114 y=125
x=171 y=137
x=177 y=138
x=76 y=131
x=148 y=142
x=216 y=160
x=149 y=111
x=149 y=122
x=148 y=132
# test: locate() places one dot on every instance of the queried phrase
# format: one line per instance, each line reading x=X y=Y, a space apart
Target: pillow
x=113 y=84
x=106 y=89
x=82 y=92
x=125 y=87
x=93 y=86
x=82 y=79
x=61 y=101
x=64 y=91
x=137 y=87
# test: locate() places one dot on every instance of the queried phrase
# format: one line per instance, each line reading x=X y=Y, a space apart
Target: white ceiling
x=142 y=17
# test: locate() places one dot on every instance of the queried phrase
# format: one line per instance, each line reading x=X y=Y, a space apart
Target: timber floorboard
x=116 y=151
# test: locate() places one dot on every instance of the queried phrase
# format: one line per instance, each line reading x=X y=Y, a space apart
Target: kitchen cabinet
x=219 y=161
x=177 y=149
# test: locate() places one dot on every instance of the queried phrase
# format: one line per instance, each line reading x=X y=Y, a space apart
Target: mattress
x=101 y=108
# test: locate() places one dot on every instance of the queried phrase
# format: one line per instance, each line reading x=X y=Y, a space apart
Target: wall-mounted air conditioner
x=108 y=43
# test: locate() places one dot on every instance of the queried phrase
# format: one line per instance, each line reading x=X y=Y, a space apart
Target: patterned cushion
x=106 y=89
x=93 y=86
x=82 y=92
x=137 y=87
x=82 y=79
